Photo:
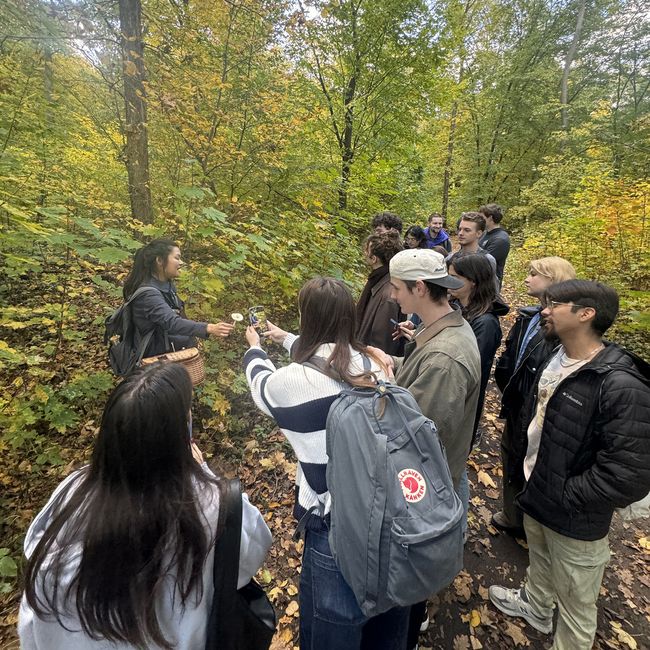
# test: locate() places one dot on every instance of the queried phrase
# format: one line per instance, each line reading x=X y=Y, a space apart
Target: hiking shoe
x=501 y=522
x=514 y=602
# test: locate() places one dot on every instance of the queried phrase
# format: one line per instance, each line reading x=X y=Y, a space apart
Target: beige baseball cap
x=422 y=264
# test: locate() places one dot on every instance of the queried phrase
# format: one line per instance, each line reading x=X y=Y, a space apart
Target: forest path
x=464 y=618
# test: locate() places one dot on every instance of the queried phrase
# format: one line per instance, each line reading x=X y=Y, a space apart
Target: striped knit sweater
x=299 y=399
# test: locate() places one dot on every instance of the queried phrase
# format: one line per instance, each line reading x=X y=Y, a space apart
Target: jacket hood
x=529 y=312
x=614 y=357
x=500 y=308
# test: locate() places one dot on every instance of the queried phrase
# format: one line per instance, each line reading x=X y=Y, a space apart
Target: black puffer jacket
x=594 y=452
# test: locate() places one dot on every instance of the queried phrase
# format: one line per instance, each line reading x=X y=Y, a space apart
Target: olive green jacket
x=441 y=367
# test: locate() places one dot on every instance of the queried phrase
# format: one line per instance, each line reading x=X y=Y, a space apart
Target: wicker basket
x=191 y=358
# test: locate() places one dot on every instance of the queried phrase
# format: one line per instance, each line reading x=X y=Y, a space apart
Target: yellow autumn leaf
x=475 y=618
x=265 y=576
x=292 y=608
x=644 y=542
x=486 y=479
x=623 y=636
x=475 y=643
x=287 y=635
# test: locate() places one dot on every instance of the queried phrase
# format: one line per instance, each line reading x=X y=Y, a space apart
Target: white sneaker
x=514 y=602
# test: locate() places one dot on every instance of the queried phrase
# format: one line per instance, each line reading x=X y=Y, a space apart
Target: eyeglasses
x=552 y=304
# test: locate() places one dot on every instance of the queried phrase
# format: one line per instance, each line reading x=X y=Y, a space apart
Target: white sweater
x=187 y=627
x=299 y=398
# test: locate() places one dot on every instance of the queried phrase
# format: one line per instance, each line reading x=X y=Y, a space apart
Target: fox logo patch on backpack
x=395 y=519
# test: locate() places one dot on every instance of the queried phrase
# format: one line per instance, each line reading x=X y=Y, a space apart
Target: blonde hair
x=556 y=269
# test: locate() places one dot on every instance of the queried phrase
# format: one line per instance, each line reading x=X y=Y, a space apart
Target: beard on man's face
x=549 y=330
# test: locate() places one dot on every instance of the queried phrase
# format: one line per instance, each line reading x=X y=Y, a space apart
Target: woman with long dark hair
x=159 y=313
x=298 y=396
x=122 y=554
x=481 y=307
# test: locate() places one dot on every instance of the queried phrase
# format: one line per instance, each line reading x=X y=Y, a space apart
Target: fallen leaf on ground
x=292 y=608
x=462 y=586
x=486 y=479
x=487 y=617
x=516 y=634
x=623 y=636
x=461 y=642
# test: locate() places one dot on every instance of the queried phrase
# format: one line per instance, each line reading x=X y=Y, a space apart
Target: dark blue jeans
x=330 y=618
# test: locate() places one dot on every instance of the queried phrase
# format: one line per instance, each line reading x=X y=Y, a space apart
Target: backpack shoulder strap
x=139 y=291
x=144 y=342
x=226 y=550
x=226 y=561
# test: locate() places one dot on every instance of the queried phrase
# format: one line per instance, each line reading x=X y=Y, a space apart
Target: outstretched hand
x=220 y=329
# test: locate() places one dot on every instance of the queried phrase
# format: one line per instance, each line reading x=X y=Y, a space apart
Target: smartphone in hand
x=257 y=318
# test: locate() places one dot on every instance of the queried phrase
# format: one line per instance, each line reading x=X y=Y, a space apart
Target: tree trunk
x=449 y=161
x=135 y=104
x=347 y=151
x=570 y=56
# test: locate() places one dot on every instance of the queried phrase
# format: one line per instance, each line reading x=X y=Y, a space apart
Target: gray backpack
x=396 y=520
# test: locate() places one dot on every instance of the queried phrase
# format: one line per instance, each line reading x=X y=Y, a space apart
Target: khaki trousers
x=568 y=572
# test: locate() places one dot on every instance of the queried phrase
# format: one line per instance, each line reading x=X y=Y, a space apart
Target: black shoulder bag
x=240 y=619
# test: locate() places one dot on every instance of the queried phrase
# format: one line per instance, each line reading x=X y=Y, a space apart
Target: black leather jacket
x=594 y=453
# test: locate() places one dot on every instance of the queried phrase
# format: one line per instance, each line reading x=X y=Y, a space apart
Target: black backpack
x=123 y=354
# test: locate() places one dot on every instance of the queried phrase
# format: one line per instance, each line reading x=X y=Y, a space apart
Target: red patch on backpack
x=413 y=485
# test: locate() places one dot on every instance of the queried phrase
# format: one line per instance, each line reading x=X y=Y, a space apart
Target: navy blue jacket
x=163 y=312
x=594 y=452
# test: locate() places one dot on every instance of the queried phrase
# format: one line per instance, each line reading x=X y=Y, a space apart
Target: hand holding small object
x=252 y=336
x=405 y=329
x=220 y=329
x=276 y=334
